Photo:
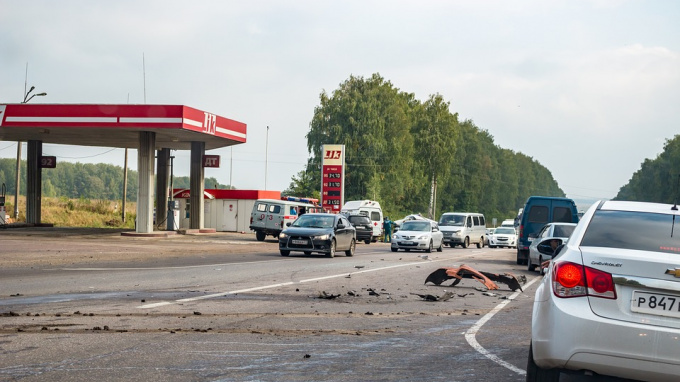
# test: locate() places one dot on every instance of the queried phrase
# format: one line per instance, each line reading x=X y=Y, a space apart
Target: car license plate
x=299 y=241
x=656 y=303
x=407 y=243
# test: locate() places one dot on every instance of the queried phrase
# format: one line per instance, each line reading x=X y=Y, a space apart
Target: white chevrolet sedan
x=503 y=237
x=421 y=235
x=610 y=301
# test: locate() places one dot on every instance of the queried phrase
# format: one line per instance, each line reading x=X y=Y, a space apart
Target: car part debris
x=328 y=296
x=429 y=297
x=465 y=272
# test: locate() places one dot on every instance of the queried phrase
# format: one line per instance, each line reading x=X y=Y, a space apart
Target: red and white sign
x=211 y=161
x=333 y=177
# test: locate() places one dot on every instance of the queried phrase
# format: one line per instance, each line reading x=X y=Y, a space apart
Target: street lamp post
x=16 y=191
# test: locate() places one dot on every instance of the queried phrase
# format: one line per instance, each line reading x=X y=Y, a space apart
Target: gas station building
x=153 y=130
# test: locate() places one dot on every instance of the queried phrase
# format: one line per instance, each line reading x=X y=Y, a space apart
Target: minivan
x=463 y=228
x=270 y=216
x=537 y=212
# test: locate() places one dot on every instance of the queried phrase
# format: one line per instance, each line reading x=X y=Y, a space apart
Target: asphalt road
x=87 y=304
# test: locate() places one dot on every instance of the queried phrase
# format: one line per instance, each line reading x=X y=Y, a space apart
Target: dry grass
x=64 y=212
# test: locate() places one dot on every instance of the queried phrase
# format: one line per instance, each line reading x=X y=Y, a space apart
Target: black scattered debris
x=369 y=313
x=307 y=356
x=372 y=292
x=353 y=293
x=143 y=300
x=359 y=266
x=429 y=297
x=16 y=295
x=327 y=296
x=197 y=313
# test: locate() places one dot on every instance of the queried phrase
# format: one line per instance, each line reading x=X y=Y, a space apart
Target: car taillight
x=251 y=220
x=575 y=280
x=521 y=230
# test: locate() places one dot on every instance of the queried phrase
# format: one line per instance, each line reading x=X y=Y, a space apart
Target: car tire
x=492 y=246
x=429 y=247
x=537 y=374
x=367 y=241
x=441 y=247
x=259 y=235
x=331 y=253
x=530 y=267
x=466 y=242
x=394 y=249
x=284 y=253
x=352 y=247
x=480 y=243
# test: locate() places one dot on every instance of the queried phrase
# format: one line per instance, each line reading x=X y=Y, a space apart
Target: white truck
x=369 y=208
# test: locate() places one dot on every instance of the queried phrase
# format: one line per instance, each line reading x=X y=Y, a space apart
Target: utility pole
x=266 y=158
x=18 y=171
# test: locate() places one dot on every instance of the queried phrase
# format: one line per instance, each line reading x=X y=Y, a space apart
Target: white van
x=269 y=216
x=370 y=208
x=463 y=228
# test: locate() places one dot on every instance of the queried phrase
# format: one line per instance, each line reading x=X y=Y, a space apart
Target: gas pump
x=3 y=213
x=173 y=215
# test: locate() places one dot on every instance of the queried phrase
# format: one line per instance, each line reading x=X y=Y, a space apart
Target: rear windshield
x=563 y=230
x=633 y=230
x=359 y=220
x=538 y=214
x=505 y=231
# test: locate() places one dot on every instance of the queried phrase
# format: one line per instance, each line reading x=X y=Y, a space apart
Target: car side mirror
x=340 y=225
x=288 y=224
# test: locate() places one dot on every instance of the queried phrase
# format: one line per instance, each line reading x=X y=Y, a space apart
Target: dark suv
x=363 y=226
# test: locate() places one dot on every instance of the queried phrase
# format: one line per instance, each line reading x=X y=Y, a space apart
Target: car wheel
x=285 y=253
x=367 y=241
x=441 y=247
x=429 y=247
x=537 y=374
x=530 y=267
x=466 y=242
x=394 y=249
x=332 y=251
x=480 y=243
x=259 y=235
x=492 y=246
x=352 y=246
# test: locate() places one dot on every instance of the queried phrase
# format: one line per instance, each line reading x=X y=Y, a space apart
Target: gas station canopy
x=175 y=126
x=143 y=127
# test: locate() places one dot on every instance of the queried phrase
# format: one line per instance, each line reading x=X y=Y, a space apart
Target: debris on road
x=429 y=297
x=458 y=273
x=327 y=296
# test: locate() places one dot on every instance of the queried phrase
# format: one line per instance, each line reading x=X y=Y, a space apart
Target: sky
x=590 y=89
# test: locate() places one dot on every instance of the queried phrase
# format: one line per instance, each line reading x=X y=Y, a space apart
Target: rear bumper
x=604 y=346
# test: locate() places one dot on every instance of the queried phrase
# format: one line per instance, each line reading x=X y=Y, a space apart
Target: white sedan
x=552 y=234
x=421 y=235
x=610 y=301
x=503 y=237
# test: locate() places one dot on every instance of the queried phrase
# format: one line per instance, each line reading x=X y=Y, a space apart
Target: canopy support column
x=196 y=185
x=145 y=168
x=33 y=182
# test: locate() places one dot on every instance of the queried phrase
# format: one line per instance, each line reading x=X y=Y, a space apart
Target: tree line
x=84 y=181
x=657 y=180
x=416 y=157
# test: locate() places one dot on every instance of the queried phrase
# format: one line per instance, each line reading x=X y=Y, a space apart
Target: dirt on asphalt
x=53 y=246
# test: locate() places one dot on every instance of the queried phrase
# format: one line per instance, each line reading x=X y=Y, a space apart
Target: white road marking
x=470 y=333
x=344 y=274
